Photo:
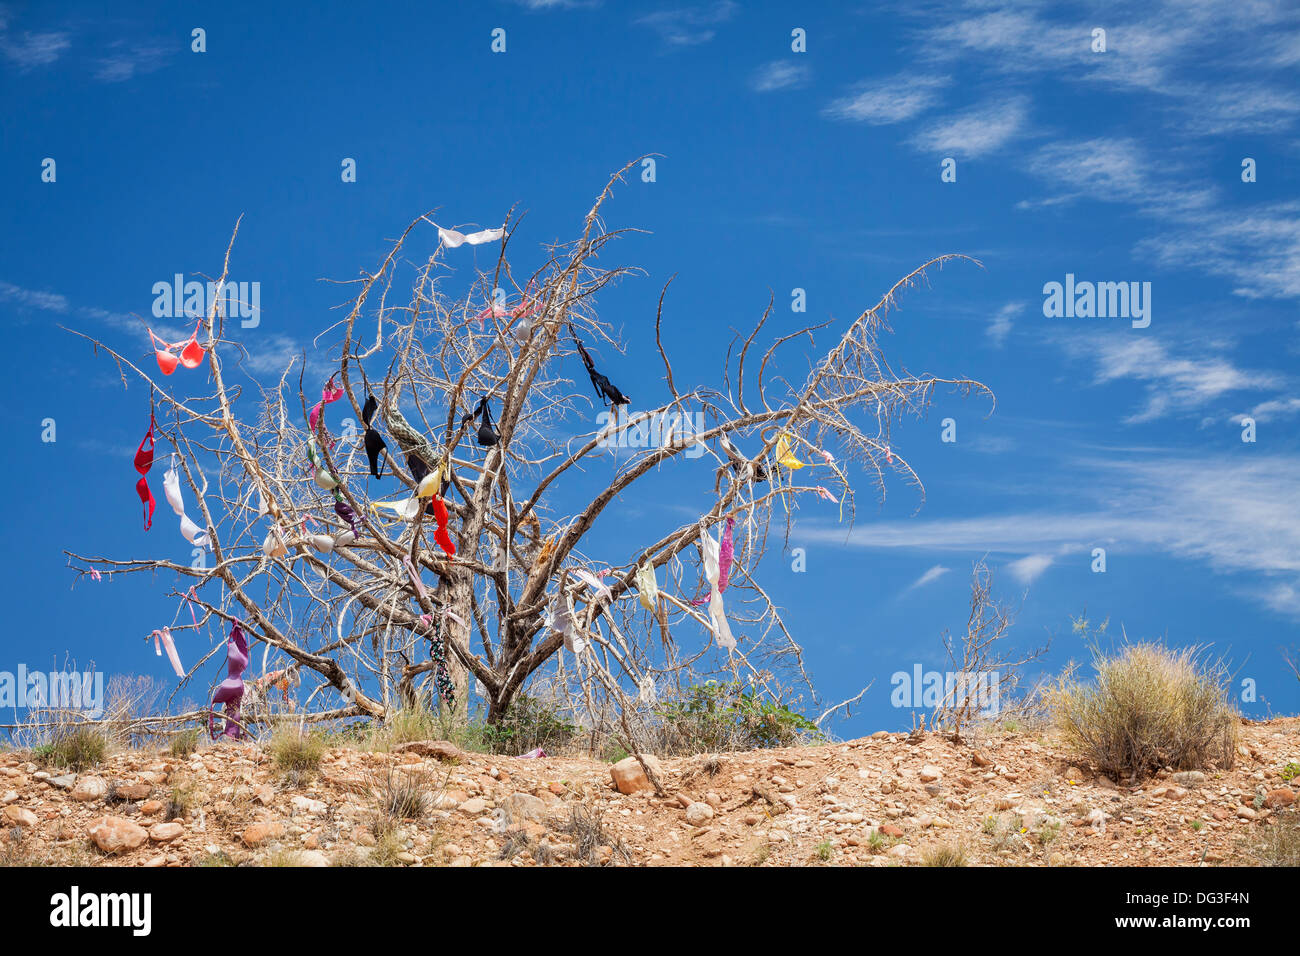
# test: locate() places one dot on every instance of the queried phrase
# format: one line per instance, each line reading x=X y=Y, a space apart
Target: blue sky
x=818 y=170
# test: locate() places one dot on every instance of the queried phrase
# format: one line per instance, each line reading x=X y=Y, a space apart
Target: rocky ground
x=889 y=799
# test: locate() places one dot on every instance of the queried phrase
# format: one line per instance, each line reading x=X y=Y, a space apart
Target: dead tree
x=358 y=618
x=985 y=672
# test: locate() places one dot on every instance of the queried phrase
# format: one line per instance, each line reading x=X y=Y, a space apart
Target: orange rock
x=259 y=833
x=114 y=834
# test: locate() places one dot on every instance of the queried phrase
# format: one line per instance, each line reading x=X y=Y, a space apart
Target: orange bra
x=191 y=352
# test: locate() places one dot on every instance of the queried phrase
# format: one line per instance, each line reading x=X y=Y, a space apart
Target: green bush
x=718 y=716
x=529 y=723
x=75 y=748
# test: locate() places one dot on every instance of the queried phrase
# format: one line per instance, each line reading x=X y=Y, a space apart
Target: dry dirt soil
x=1014 y=799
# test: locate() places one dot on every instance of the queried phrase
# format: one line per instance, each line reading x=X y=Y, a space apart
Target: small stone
x=134 y=791
x=150 y=807
x=259 y=833
x=19 y=816
x=890 y=830
x=308 y=805
x=313 y=858
x=65 y=782
x=441 y=749
x=1282 y=797
x=629 y=777
x=525 y=806
x=1190 y=778
x=166 y=832
x=89 y=788
x=114 y=834
x=473 y=806
x=930 y=773
x=698 y=814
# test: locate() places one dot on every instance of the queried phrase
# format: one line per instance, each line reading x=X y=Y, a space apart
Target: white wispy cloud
x=891 y=100
x=31 y=50
x=1029 y=568
x=1165 y=49
x=779 y=75
x=1257 y=247
x=1174 y=383
x=1235 y=513
x=1269 y=411
x=57 y=303
x=975 y=132
x=1201 y=69
x=44 y=301
x=557 y=4
x=1000 y=327
x=128 y=60
x=933 y=574
x=689 y=26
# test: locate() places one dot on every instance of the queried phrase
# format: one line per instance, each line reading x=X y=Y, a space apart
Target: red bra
x=143 y=462
x=191 y=352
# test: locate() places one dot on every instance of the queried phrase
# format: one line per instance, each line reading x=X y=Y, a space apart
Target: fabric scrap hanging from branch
x=231 y=692
x=606 y=390
x=162 y=638
x=191 y=352
x=374 y=442
x=143 y=462
x=454 y=240
x=713 y=572
x=190 y=531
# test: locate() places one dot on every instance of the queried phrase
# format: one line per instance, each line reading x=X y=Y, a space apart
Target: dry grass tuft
x=296 y=752
x=1150 y=707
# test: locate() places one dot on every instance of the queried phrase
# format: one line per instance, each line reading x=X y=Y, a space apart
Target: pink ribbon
x=190 y=600
x=726 y=553
x=415 y=578
x=162 y=637
x=327 y=395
